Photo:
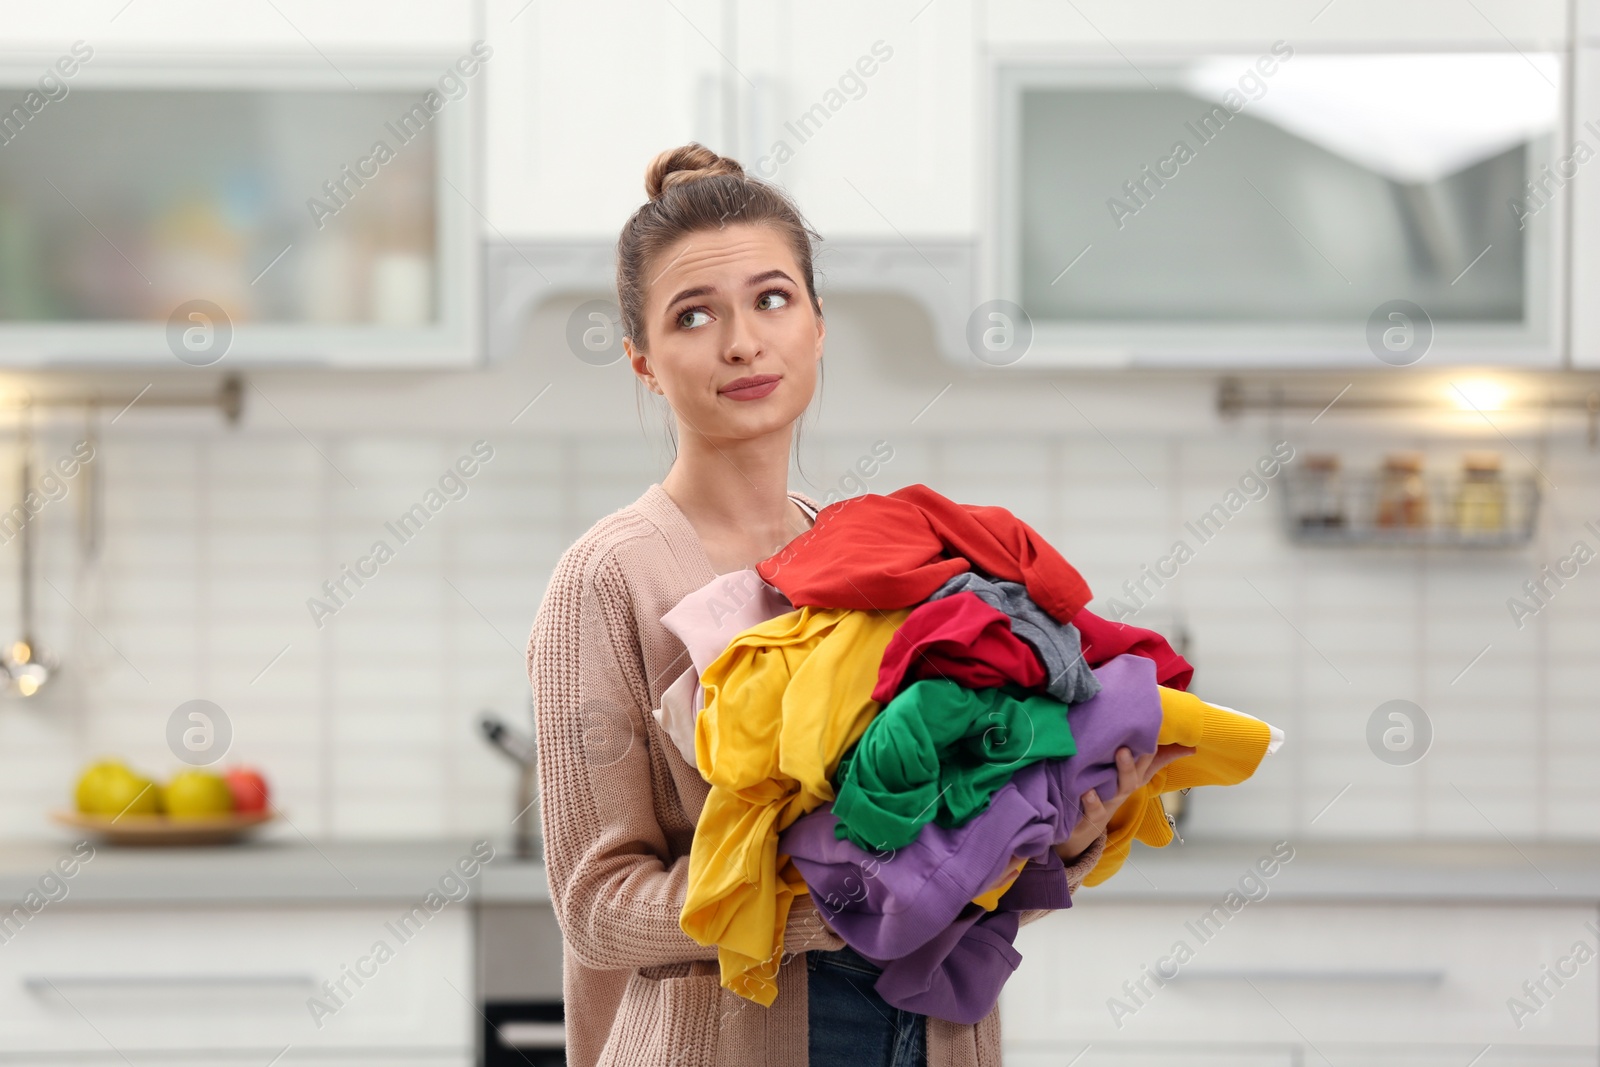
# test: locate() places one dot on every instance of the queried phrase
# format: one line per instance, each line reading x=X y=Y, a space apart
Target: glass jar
x=1481 y=498
x=1402 y=494
x=1321 y=502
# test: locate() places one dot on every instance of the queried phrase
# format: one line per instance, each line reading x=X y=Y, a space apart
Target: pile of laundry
x=898 y=714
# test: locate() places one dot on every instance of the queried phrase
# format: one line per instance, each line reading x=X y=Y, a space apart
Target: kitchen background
x=216 y=538
x=359 y=336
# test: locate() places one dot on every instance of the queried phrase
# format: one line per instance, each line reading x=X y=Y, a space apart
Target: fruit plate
x=164 y=830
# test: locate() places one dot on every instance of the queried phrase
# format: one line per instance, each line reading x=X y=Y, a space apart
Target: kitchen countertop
x=271 y=871
x=1464 y=871
x=355 y=871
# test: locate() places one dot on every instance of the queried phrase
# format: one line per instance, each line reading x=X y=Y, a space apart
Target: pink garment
x=707 y=621
x=680 y=707
x=709 y=618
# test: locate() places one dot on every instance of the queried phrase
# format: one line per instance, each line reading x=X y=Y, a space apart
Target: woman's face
x=726 y=305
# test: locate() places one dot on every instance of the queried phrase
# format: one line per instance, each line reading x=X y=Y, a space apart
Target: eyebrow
x=754 y=279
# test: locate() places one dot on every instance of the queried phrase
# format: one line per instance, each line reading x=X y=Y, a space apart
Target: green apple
x=111 y=788
x=198 y=795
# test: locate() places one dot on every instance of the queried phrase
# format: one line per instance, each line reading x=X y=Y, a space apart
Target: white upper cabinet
x=863 y=114
x=582 y=97
x=273 y=184
x=1105 y=26
x=1233 y=184
x=1580 y=175
x=871 y=119
x=288 y=26
x=1238 y=184
x=1373 y=196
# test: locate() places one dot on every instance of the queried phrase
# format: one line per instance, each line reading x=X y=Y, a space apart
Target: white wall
x=216 y=538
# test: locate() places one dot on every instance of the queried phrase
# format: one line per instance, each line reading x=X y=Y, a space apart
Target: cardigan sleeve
x=616 y=889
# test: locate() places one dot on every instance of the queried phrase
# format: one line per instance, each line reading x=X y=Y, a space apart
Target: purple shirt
x=910 y=910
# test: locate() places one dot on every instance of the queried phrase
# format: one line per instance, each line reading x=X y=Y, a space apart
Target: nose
x=743 y=343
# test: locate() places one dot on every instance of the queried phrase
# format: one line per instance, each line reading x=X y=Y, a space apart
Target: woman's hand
x=1132 y=774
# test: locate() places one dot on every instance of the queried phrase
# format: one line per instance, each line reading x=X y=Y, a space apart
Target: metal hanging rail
x=1234 y=399
x=227 y=398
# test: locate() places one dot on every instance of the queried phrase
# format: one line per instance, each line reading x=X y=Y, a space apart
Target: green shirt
x=937 y=752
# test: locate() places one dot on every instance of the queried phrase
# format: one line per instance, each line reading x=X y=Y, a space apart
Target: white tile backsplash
x=367 y=725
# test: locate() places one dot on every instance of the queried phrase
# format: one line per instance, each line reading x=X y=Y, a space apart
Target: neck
x=733 y=483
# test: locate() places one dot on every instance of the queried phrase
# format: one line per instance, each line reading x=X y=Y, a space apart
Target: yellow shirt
x=1228 y=748
x=783 y=703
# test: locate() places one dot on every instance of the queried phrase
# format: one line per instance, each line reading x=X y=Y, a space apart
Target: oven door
x=519 y=985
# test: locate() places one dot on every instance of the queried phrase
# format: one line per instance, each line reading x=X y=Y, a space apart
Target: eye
x=686 y=313
x=780 y=295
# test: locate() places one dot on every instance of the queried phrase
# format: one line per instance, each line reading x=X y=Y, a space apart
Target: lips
x=751 y=388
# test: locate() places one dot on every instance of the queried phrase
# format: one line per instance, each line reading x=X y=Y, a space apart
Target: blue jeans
x=850 y=1024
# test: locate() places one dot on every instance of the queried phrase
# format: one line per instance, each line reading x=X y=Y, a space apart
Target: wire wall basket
x=1438 y=510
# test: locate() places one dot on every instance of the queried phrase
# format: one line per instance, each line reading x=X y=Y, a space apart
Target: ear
x=640 y=364
x=822 y=328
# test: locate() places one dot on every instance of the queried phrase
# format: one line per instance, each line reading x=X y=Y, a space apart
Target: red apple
x=249 y=789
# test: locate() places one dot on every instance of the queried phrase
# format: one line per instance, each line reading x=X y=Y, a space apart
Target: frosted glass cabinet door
x=171 y=222
x=261 y=214
x=1273 y=208
x=1585 y=188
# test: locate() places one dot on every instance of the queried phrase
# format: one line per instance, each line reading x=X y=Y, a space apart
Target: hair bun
x=686 y=163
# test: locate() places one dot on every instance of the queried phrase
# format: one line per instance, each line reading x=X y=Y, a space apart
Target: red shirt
x=882 y=553
x=961 y=638
x=1104 y=640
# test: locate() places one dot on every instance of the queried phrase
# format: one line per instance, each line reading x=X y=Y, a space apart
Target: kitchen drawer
x=1155 y=1056
x=222 y=980
x=1306 y=975
x=294 y=1057
x=1186 y=1054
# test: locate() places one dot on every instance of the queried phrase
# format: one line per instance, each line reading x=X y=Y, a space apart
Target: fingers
x=1093 y=812
x=1090 y=825
x=1165 y=755
x=1133 y=773
x=1128 y=772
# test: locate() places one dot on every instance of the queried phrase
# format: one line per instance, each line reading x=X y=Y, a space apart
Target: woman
x=721 y=316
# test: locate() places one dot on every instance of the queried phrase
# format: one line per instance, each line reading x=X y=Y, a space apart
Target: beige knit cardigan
x=619 y=805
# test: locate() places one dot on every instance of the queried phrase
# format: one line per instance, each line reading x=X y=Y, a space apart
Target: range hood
x=937 y=273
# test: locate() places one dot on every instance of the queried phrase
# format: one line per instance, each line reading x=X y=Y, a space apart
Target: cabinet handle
x=42 y=983
x=1350 y=977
